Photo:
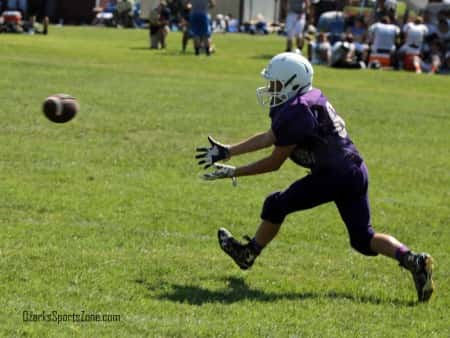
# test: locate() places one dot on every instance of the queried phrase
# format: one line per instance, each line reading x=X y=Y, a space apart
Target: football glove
x=221 y=171
x=216 y=152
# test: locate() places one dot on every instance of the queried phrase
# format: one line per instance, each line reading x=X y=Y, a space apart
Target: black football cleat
x=243 y=254
x=421 y=267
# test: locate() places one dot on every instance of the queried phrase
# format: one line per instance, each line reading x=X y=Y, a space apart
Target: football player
x=307 y=129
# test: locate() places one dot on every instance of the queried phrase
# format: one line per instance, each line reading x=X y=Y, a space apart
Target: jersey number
x=338 y=122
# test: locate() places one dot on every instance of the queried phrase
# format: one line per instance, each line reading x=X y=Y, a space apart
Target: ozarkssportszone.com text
x=57 y=317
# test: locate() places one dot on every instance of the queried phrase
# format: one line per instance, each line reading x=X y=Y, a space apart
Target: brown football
x=60 y=108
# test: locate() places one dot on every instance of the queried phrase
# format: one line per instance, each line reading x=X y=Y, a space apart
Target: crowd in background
x=20 y=16
x=335 y=34
x=329 y=32
x=417 y=42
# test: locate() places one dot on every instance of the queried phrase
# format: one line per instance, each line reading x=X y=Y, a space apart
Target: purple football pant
x=347 y=190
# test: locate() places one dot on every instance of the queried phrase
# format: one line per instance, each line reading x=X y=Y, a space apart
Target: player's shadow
x=238 y=290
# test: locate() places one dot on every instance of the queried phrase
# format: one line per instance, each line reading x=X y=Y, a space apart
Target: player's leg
x=305 y=193
x=195 y=21
x=185 y=39
x=197 y=44
x=206 y=34
x=154 y=37
x=291 y=20
x=164 y=31
x=299 y=42
x=44 y=14
x=45 y=23
x=299 y=28
x=420 y=264
x=289 y=44
x=311 y=52
x=32 y=24
x=355 y=212
x=208 y=46
x=435 y=63
x=212 y=48
x=32 y=11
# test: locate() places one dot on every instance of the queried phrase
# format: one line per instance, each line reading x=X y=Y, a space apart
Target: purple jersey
x=310 y=122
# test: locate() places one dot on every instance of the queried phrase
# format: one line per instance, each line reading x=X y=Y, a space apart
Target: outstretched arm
x=217 y=151
x=254 y=143
x=270 y=163
x=267 y=164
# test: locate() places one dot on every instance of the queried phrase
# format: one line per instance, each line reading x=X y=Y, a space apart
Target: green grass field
x=107 y=214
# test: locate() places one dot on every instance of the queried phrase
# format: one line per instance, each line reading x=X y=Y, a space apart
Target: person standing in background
x=297 y=11
x=200 y=25
x=39 y=10
x=185 y=25
x=159 y=21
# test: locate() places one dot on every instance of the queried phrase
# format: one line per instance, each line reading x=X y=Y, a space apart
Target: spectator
x=185 y=25
x=386 y=8
x=359 y=32
x=38 y=9
x=136 y=15
x=427 y=62
x=158 y=21
x=436 y=10
x=106 y=15
x=232 y=24
x=295 y=22
x=260 y=26
x=332 y=23
x=319 y=51
x=319 y=7
x=124 y=14
x=219 y=24
x=200 y=25
x=343 y=54
x=446 y=64
x=443 y=32
x=383 y=36
x=428 y=21
x=414 y=33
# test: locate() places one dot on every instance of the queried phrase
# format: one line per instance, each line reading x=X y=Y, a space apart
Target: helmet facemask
x=276 y=92
x=272 y=94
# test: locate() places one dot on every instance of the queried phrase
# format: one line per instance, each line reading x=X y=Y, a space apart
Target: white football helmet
x=292 y=71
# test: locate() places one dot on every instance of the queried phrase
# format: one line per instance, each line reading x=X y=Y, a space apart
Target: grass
x=106 y=214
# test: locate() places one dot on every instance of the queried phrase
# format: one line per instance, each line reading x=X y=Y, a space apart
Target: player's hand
x=221 y=171
x=216 y=152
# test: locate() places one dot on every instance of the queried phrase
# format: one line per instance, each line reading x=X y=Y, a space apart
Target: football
x=60 y=108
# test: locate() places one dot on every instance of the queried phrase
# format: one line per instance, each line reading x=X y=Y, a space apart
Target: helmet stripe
x=290 y=79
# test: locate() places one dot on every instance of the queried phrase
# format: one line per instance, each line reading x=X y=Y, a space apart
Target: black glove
x=216 y=152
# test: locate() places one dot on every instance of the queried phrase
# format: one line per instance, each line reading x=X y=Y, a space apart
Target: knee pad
x=272 y=209
x=361 y=242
